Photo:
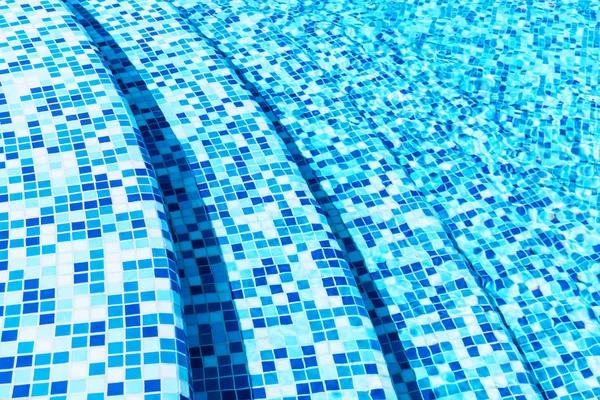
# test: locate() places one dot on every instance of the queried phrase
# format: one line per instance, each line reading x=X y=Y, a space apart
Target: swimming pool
x=299 y=200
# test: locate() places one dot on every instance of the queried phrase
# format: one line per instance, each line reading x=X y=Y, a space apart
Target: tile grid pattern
x=537 y=72
x=285 y=200
x=305 y=330
x=576 y=377
x=91 y=305
x=558 y=292
x=233 y=30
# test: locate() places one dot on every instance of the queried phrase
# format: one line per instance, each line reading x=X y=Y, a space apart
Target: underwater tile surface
x=91 y=301
x=325 y=199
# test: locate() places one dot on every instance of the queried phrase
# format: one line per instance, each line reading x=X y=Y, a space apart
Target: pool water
x=299 y=200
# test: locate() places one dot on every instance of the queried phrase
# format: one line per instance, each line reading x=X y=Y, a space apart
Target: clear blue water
x=299 y=200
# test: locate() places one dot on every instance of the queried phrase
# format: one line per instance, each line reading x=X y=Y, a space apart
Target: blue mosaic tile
x=244 y=200
x=91 y=302
x=425 y=163
x=291 y=302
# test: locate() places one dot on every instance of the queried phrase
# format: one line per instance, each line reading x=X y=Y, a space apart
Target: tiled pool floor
x=229 y=199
